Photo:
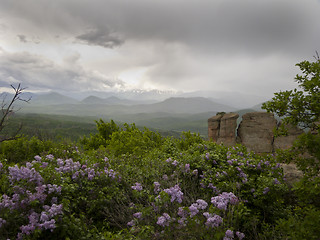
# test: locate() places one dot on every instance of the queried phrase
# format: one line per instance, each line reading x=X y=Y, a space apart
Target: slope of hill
x=92 y=100
x=53 y=98
x=190 y=105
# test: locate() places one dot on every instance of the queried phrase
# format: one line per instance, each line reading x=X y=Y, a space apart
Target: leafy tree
x=300 y=107
x=105 y=131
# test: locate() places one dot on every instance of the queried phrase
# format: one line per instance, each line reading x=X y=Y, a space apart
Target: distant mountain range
x=56 y=103
x=113 y=100
x=137 y=96
x=175 y=113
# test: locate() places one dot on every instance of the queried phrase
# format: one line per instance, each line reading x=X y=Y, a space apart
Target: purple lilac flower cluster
x=137 y=215
x=242 y=175
x=137 y=187
x=207 y=157
x=156 y=187
x=232 y=161
x=22 y=196
x=24 y=173
x=44 y=221
x=240 y=235
x=213 y=220
x=78 y=170
x=175 y=193
x=67 y=166
x=222 y=200
x=25 y=193
x=229 y=235
x=183 y=214
x=187 y=168
x=198 y=205
x=164 y=220
x=131 y=223
x=266 y=190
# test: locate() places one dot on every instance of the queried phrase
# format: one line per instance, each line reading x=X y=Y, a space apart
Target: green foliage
x=127 y=141
x=302 y=224
x=305 y=153
x=135 y=184
x=50 y=127
x=23 y=149
x=105 y=131
x=133 y=141
x=300 y=106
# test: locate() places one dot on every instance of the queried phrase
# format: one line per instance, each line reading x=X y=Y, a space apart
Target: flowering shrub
x=184 y=188
x=36 y=196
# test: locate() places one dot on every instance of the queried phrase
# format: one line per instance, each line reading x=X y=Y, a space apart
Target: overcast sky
x=247 y=46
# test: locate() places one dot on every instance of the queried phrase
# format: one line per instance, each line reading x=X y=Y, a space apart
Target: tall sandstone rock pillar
x=214 y=127
x=256 y=131
x=228 y=126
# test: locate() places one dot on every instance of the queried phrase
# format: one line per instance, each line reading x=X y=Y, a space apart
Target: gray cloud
x=38 y=72
x=250 y=45
x=22 y=38
x=234 y=26
x=100 y=38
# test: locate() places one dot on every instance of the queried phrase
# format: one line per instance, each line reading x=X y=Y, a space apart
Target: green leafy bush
x=139 y=185
x=21 y=149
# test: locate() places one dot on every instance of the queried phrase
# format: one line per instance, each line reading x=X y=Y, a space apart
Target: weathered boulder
x=214 y=127
x=285 y=142
x=228 y=126
x=256 y=131
x=291 y=173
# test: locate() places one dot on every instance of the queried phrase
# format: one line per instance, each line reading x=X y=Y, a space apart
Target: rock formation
x=214 y=127
x=256 y=131
x=222 y=128
x=285 y=142
x=228 y=125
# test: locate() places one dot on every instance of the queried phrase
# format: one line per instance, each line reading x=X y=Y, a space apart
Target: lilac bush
x=36 y=193
x=183 y=189
x=30 y=193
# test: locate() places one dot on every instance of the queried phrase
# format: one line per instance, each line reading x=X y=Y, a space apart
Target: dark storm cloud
x=38 y=72
x=22 y=38
x=183 y=43
x=253 y=26
x=100 y=38
x=227 y=25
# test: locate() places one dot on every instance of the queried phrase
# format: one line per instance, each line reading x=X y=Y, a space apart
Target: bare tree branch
x=7 y=109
